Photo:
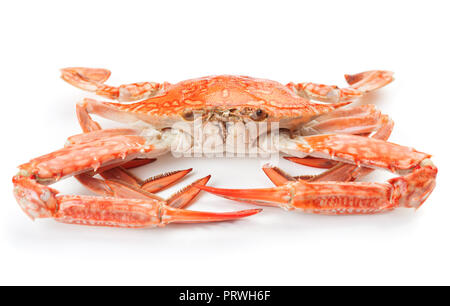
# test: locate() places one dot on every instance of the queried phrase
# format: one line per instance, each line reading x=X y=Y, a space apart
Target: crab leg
x=163 y=181
x=347 y=172
x=113 y=188
x=93 y=131
x=138 y=162
x=97 y=134
x=103 y=109
x=278 y=176
x=362 y=119
x=314 y=162
x=121 y=175
x=184 y=197
x=92 y=79
x=344 y=171
x=360 y=84
x=119 y=189
x=355 y=120
x=410 y=190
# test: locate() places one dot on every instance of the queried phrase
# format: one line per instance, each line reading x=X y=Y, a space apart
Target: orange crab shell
x=228 y=92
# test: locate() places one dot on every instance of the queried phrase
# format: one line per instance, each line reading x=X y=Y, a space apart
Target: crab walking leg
x=278 y=176
x=163 y=181
x=93 y=131
x=103 y=109
x=355 y=120
x=364 y=119
x=153 y=184
x=121 y=175
x=119 y=189
x=344 y=171
x=39 y=201
x=338 y=171
x=92 y=79
x=186 y=196
x=347 y=172
x=360 y=84
x=314 y=162
x=138 y=162
x=98 y=134
x=112 y=188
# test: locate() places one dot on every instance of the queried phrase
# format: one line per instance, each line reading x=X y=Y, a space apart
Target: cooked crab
x=350 y=141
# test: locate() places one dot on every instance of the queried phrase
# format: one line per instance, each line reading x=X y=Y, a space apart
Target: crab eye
x=258 y=115
x=188 y=115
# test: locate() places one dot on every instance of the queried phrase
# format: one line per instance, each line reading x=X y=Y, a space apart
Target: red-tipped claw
x=175 y=215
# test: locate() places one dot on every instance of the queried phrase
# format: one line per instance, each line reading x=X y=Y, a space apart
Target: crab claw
x=39 y=201
x=175 y=215
x=275 y=197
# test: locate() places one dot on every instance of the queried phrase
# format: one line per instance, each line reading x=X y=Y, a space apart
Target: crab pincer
x=330 y=197
x=122 y=201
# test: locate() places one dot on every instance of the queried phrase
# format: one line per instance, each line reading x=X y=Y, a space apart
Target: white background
x=170 y=41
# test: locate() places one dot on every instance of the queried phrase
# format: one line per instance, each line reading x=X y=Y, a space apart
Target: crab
x=314 y=124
